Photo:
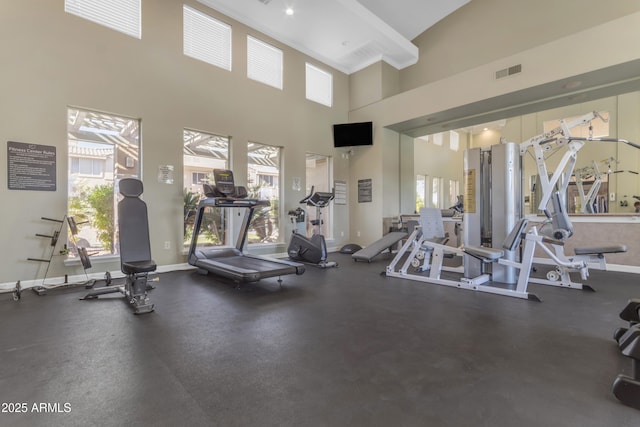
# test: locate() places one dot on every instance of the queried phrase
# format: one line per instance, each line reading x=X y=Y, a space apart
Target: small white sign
x=165 y=174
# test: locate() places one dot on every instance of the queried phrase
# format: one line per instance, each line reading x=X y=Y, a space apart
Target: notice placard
x=340 y=191
x=31 y=166
x=165 y=174
x=364 y=190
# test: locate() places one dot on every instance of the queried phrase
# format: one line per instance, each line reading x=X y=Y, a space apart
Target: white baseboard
x=26 y=284
x=80 y=278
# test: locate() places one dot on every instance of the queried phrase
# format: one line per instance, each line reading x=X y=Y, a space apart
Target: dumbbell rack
x=82 y=254
x=627 y=387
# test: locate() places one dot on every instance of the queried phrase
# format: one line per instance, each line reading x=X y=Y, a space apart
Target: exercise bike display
x=312 y=250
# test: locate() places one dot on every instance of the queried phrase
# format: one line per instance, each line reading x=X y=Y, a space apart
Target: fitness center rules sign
x=31 y=166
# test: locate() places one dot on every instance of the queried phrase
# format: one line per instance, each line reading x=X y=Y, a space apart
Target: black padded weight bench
x=135 y=249
x=386 y=242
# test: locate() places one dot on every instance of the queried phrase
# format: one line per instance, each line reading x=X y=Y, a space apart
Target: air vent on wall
x=515 y=69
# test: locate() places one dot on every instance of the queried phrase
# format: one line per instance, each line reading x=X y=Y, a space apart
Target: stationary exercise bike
x=313 y=250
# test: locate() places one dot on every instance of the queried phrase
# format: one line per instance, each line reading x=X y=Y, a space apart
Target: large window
x=206 y=38
x=120 y=15
x=103 y=148
x=436 y=192
x=264 y=62
x=263 y=167
x=318 y=176
x=202 y=153
x=319 y=85
x=454 y=140
x=454 y=192
x=421 y=192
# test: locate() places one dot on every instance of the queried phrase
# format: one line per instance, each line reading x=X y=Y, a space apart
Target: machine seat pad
x=601 y=250
x=138 y=266
x=488 y=254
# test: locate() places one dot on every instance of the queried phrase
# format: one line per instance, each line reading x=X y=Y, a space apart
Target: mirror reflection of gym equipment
x=310 y=250
x=493 y=216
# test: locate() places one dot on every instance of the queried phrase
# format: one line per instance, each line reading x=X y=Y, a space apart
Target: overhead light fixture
x=572 y=84
x=289 y=11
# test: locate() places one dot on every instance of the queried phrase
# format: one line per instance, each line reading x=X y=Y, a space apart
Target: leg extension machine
x=427 y=255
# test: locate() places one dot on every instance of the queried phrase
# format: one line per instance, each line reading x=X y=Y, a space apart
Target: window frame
x=261 y=66
x=206 y=38
x=313 y=75
x=124 y=16
x=253 y=185
x=195 y=160
x=92 y=134
x=327 y=229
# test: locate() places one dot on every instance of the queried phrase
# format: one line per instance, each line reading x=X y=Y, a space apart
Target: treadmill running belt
x=246 y=268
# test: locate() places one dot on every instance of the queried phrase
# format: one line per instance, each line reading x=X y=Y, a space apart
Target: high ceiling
x=348 y=35
x=352 y=34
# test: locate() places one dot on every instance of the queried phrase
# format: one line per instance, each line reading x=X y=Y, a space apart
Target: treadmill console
x=226 y=193
x=223 y=179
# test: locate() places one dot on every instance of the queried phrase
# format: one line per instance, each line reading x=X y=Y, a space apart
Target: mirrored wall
x=606 y=178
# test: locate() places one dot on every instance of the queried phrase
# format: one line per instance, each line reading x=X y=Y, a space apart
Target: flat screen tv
x=353 y=134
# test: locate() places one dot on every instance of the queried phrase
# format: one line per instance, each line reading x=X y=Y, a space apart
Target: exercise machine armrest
x=552 y=241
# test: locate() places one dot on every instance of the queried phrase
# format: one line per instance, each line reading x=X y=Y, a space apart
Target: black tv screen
x=353 y=134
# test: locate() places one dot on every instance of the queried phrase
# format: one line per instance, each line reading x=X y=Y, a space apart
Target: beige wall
x=51 y=60
x=562 y=58
x=372 y=84
x=484 y=31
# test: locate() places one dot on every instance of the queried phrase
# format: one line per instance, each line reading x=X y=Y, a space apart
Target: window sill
x=101 y=259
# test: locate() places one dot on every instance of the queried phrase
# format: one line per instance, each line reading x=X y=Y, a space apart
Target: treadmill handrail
x=227 y=202
x=319 y=198
x=306 y=198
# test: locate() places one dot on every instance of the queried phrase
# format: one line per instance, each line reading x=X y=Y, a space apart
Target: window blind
x=120 y=15
x=206 y=38
x=319 y=85
x=264 y=62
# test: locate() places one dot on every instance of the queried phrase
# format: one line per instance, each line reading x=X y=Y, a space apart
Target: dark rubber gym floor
x=338 y=347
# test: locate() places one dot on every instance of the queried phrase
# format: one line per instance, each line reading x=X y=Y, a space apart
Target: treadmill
x=234 y=263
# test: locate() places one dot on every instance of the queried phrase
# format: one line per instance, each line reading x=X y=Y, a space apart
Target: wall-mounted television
x=352 y=134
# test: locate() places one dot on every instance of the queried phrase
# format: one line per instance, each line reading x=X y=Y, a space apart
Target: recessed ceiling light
x=289 y=11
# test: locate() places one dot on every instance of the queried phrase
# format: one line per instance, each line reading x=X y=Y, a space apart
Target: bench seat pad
x=601 y=250
x=490 y=254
